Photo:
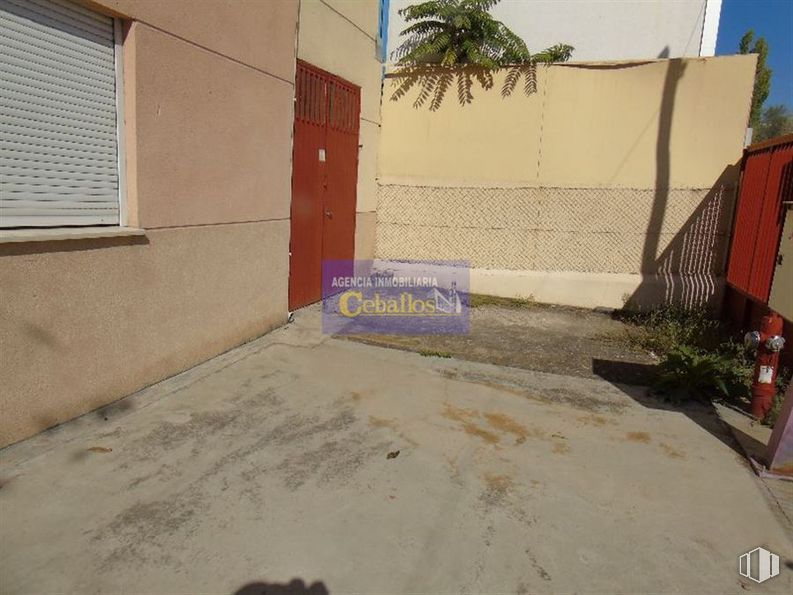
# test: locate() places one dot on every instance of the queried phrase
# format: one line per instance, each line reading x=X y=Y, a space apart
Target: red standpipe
x=769 y=342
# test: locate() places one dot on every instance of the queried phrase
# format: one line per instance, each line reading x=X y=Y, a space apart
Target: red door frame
x=324 y=178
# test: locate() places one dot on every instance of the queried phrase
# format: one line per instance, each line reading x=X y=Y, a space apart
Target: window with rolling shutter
x=59 y=163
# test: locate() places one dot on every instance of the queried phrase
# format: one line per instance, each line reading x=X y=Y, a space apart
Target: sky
x=772 y=19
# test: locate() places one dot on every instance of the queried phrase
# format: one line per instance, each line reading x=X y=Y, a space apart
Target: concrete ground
x=274 y=469
x=753 y=437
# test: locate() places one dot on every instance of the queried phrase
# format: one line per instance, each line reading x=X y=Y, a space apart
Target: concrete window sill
x=8 y=236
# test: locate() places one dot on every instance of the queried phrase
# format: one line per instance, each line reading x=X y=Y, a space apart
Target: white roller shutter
x=58 y=133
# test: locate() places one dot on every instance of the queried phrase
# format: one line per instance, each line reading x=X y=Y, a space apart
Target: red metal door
x=765 y=185
x=770 y=225
x=747 y=217
x=324 y=179
x=338 y=237
x=305 y=249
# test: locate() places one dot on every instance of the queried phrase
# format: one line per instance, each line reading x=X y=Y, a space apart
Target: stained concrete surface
x=753 y=438
x=268 y=466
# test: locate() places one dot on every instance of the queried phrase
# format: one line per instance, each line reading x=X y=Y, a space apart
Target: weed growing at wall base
x=700 y=359
x=477 y=300
x=686 y=372
x=661 y=330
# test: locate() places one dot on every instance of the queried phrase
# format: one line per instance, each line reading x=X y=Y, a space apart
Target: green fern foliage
x=687 y=372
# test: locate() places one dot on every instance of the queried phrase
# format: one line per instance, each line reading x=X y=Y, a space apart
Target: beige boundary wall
x=781 y=298
x=611 y=183
x=340 y=36
x=209 y=112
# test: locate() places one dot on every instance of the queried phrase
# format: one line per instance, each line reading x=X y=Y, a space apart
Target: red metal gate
x=767 y=182
x=324 y=178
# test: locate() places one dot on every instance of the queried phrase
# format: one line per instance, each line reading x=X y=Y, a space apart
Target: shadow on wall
x=294 y=587
x=433 y=82
x=689 y=266
x=74 y=245
x=689 y=269
x=674 y=72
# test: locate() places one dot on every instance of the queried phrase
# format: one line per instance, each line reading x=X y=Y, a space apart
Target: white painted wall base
x=604 y=290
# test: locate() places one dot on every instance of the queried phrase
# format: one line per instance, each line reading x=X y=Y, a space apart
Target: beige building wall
x=781 y=298
x=340 y=36
x=209 y=111
x=612 y=183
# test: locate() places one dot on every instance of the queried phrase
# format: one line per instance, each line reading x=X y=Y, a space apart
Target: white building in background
x=602 y=29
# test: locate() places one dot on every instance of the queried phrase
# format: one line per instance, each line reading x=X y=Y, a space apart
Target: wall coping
x=44 y=234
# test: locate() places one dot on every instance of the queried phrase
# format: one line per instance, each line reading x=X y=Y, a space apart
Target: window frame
x=121 y=153
x=47 y=231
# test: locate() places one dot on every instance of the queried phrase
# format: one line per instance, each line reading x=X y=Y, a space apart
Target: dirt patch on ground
x=465 y=418
x=594 y=420
x=560 y=340
x=378 y=422
x=589 y=399
x=493 y=426
x=672 y=452
x=505 y=423
x=638 y=437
